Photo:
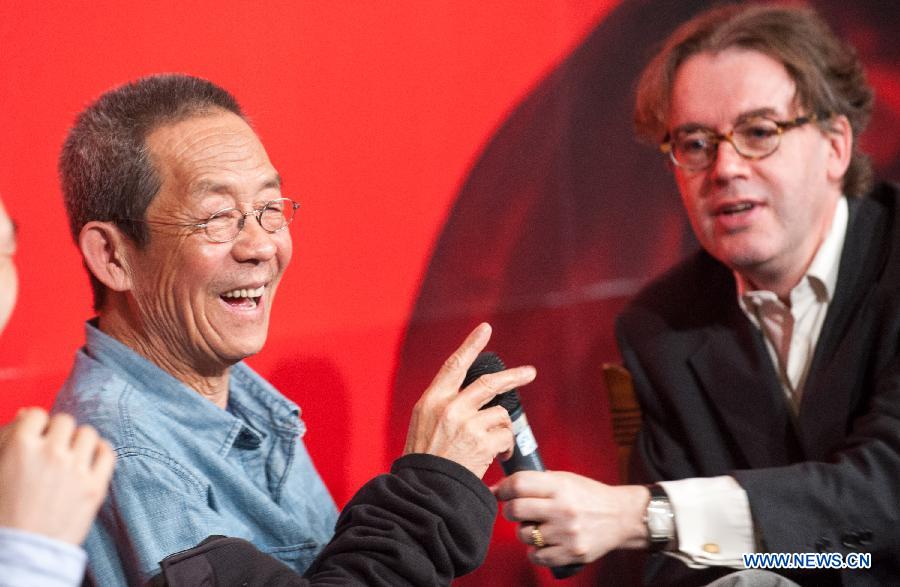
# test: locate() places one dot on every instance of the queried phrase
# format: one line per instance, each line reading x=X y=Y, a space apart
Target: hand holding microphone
x=469 y=415
x=448 y=422
x=569 y=519
x=525 y=455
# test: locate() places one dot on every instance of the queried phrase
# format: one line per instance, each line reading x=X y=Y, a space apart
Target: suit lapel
x=837 y=363
x=737 y=375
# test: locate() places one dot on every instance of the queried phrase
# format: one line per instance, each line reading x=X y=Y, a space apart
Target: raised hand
x=449 y=423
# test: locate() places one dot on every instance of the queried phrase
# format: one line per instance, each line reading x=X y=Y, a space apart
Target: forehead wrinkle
x=215 y=159
x=203 y=168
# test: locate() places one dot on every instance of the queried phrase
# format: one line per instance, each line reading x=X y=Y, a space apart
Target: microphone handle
x=525 y=454
x=525 y=457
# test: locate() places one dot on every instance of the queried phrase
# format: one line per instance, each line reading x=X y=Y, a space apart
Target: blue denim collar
x=253 y=404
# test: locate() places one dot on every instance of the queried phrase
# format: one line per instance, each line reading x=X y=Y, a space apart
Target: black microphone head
x=483 y=364
x=488 y=362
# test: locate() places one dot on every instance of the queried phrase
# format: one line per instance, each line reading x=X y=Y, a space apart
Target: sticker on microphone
x=524 y=436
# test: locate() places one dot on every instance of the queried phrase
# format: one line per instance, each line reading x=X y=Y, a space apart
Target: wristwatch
x=659 y=518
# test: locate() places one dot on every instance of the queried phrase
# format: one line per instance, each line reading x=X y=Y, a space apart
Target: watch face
x=660 y=522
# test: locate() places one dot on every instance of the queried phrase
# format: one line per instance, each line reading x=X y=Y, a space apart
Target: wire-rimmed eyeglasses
x=755 y=138
x=226 y=224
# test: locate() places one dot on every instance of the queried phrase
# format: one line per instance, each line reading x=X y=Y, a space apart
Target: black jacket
x=428 y=521
x=712 y=403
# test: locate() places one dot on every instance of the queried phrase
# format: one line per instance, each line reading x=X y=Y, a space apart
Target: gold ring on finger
x=537 y=538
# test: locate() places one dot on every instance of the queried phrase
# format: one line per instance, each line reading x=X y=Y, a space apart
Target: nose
x=729 y=164
x=254 y=243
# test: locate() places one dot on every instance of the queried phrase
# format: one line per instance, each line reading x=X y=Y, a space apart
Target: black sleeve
x=426 y=522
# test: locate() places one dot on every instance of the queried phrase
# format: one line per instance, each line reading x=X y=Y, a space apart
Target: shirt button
x=711 y=548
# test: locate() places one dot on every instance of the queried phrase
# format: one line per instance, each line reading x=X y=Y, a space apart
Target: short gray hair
x=105 y=167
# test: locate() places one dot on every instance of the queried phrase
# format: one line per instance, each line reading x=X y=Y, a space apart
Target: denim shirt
x=187 y=469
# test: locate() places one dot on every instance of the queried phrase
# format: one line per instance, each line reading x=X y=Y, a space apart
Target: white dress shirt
x=712 y=515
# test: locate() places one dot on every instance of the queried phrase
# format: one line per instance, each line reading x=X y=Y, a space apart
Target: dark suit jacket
x=712 y=403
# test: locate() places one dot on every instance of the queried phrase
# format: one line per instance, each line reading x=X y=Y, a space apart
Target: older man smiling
x=183 y=227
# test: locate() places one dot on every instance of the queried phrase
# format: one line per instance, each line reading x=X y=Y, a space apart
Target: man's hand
x=580 y=519
x=448 y=423
x=53 y=476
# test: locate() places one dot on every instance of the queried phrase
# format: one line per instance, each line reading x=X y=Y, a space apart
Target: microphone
x=525 y=455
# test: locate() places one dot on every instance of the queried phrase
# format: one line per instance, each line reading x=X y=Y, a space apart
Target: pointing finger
x=453 y=371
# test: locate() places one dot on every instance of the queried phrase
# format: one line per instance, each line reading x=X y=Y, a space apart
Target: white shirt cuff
x=712 y=521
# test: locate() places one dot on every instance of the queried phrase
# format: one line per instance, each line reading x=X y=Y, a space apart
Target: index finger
x=453 y=371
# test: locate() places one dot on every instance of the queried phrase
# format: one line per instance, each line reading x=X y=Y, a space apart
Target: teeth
x=738 y=208
x=245 y=293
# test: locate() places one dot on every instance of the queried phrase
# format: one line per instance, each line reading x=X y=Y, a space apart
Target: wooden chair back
x=625 y=412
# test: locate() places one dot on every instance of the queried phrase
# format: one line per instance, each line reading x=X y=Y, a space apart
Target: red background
x=373 y=112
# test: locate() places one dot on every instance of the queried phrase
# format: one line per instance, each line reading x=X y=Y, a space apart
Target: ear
x=105 y=252
x=840 y=142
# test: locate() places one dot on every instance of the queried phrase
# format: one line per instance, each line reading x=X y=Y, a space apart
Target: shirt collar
x=827 y=261
x=822 y=273
x=254 y=405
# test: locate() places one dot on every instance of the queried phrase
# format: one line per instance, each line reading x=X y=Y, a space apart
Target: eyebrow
x=758 y=113
x=766 y=112
x=206 y=186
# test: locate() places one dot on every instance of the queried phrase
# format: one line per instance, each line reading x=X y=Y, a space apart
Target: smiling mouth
x=244 y=298
x=736 y=208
